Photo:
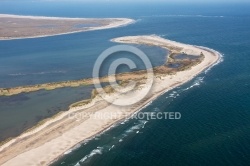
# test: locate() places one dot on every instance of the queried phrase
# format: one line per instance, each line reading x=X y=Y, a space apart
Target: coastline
x=115 y=24
x=44 y=152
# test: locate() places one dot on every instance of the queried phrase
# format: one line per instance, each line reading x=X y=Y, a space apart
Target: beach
x=22 y=27
x=52 y=139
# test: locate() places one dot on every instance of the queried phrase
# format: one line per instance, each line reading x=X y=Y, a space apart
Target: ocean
x=214 y=128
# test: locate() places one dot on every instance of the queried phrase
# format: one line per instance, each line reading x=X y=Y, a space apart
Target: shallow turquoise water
x=214 y=128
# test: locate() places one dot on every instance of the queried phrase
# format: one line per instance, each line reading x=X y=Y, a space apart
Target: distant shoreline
x=114 y=23
x=50 y=17
x=51 y=140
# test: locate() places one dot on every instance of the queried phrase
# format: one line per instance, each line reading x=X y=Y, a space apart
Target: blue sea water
x=215 y=106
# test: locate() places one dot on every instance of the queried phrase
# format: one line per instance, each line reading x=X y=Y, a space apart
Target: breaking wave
x=221 y=58
x=72 y=149
x=97 y=151
x=140 y=124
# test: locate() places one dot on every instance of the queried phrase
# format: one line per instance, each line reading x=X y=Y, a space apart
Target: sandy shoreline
x=46 y=17
x=52 y=139
x=115 y=23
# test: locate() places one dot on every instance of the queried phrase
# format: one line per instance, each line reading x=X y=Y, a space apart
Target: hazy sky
x=200 y=1
x=153 y=1
x=177 y=1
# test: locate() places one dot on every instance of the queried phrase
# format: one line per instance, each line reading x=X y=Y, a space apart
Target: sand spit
x=22 y=27
x=48 y=142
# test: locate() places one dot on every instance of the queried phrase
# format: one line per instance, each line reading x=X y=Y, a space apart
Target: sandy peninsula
x=46 y=143
x=21 y=27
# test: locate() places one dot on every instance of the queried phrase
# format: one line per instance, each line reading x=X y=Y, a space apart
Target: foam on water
x=94 y=152
x=140 y=124
x=221 y=57
x=111 y=147
x=197 y=82
x=72 y=149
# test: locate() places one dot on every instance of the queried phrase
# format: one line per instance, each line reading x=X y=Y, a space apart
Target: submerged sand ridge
x=52 y=139
x=20 y=27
